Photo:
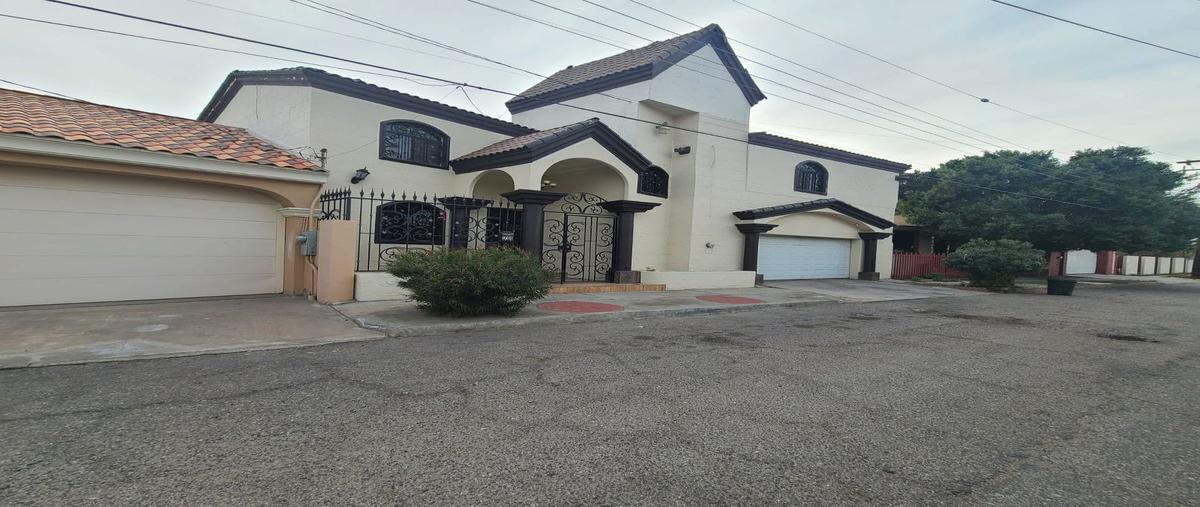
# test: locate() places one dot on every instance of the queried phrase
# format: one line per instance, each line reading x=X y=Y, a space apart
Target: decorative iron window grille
x=811 y=177
x=503 y=226
x=653 y=181
x=414 y=143
x=410 y=223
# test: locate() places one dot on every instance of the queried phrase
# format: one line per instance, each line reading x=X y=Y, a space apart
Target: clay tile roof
x=516 y=143
x=74 y=120
x=632 y=66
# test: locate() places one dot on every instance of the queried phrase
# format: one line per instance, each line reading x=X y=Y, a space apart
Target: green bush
x=462 y=283
x=995 y=263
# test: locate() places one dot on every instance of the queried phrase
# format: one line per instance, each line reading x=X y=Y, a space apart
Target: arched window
x=811 y=177
x=410 y=223
x=414 y=142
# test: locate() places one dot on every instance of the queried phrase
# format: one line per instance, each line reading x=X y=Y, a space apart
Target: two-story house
x=635 y=166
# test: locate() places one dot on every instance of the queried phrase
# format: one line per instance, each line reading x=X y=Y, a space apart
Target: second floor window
x=811 y=177
x=414 y=143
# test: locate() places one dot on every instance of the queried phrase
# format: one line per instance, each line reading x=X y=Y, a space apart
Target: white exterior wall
x=280 y=114
x=1130 y=265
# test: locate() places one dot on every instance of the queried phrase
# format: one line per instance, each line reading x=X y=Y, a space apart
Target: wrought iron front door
x=578 y=238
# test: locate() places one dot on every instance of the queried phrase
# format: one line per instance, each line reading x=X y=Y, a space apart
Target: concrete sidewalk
x=402 y=318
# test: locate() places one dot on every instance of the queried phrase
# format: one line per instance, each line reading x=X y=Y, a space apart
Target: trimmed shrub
x=995 y=263
x=463 y=283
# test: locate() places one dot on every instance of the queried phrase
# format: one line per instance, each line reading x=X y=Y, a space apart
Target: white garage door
x=72 y=237
x=1081 y=262
x=789 y=258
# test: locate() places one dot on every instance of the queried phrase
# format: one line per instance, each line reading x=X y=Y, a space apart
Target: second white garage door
x=72 y=237
x=1081 y=262
x=790 y=258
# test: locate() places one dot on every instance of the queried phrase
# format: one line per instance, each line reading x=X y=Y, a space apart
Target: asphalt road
x=1002 y=399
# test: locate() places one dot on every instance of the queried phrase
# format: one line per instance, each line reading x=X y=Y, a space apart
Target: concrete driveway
x=75 y=334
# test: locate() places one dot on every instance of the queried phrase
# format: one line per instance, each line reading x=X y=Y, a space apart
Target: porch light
x=360 y=175
x=548 y=184
x=663 y=129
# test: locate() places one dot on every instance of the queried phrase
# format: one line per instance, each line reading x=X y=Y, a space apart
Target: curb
x=403 y=331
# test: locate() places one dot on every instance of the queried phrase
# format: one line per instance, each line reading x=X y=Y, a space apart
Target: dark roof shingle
x=74 y=120
x=633 y=66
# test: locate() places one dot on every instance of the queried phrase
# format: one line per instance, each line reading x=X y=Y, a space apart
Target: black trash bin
x=1060 y=286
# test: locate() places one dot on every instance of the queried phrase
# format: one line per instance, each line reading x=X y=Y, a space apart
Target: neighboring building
x=673 y=190
x=100 y=203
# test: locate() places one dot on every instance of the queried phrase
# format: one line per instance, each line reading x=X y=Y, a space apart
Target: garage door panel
x=84 y=290
x=68 y=237
x=12 y=245
x=39 y=267
x=88 y=202
x=789 y=257
x=44 y=222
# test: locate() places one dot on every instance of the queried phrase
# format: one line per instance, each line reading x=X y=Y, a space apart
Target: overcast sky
x=1118 y=89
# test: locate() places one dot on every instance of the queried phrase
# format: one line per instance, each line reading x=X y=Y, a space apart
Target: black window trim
x=820 y=168
x=445 y=146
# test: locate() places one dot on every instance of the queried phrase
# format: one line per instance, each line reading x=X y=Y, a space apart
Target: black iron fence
x=390 y=222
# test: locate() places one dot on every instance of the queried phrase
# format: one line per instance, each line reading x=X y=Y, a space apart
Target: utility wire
x=930 y=79
x=819 y=72
x=1101 y=30
x=778 y=96
x=777 y=83
x=355 y=37
x=43 y=90
x=328 y=9
x=381 y=67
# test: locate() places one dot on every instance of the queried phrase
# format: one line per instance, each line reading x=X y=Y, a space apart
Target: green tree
x=1109 y=199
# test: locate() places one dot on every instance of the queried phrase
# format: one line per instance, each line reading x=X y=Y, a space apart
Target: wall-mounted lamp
x=360 y=175
x=663 y=129
x=548 y=184
x=683 y=150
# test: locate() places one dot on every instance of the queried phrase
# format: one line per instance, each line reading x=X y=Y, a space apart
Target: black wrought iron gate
x=578 y=239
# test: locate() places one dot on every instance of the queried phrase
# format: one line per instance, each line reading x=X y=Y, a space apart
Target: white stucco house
x=638 y=166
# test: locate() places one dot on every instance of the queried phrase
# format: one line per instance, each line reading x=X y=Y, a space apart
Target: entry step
x=591 y=288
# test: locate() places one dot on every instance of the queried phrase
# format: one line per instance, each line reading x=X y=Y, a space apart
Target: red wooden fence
x=908 y=265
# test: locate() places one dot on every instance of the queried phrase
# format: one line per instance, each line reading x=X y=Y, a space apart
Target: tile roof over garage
x=73 y=120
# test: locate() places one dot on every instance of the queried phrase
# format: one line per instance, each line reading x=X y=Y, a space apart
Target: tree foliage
x=1107 y=199
x=995 y=263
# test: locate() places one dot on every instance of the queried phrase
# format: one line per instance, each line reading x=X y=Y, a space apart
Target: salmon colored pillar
x=337 y=248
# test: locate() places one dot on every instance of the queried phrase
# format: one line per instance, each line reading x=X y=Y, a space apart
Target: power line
x=930 y=79
x=321 y=7
x=43 y=90
x=381 y=67
x=355 y=37
x=1101 y=30
x=768 y=80
x=827 y=75
x=781 y=97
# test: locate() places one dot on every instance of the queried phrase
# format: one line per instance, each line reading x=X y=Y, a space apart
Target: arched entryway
x=492 y=184
x=583 y=175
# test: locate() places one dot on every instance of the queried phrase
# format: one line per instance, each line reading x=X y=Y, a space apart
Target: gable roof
x=530 y=147
x=356 y=88
x=634 y=66
x=767 y=140
x=76 y=120
x=832 y=204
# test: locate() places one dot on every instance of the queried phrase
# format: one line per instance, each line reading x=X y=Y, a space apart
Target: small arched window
x=414 y=142
x=811 y=177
